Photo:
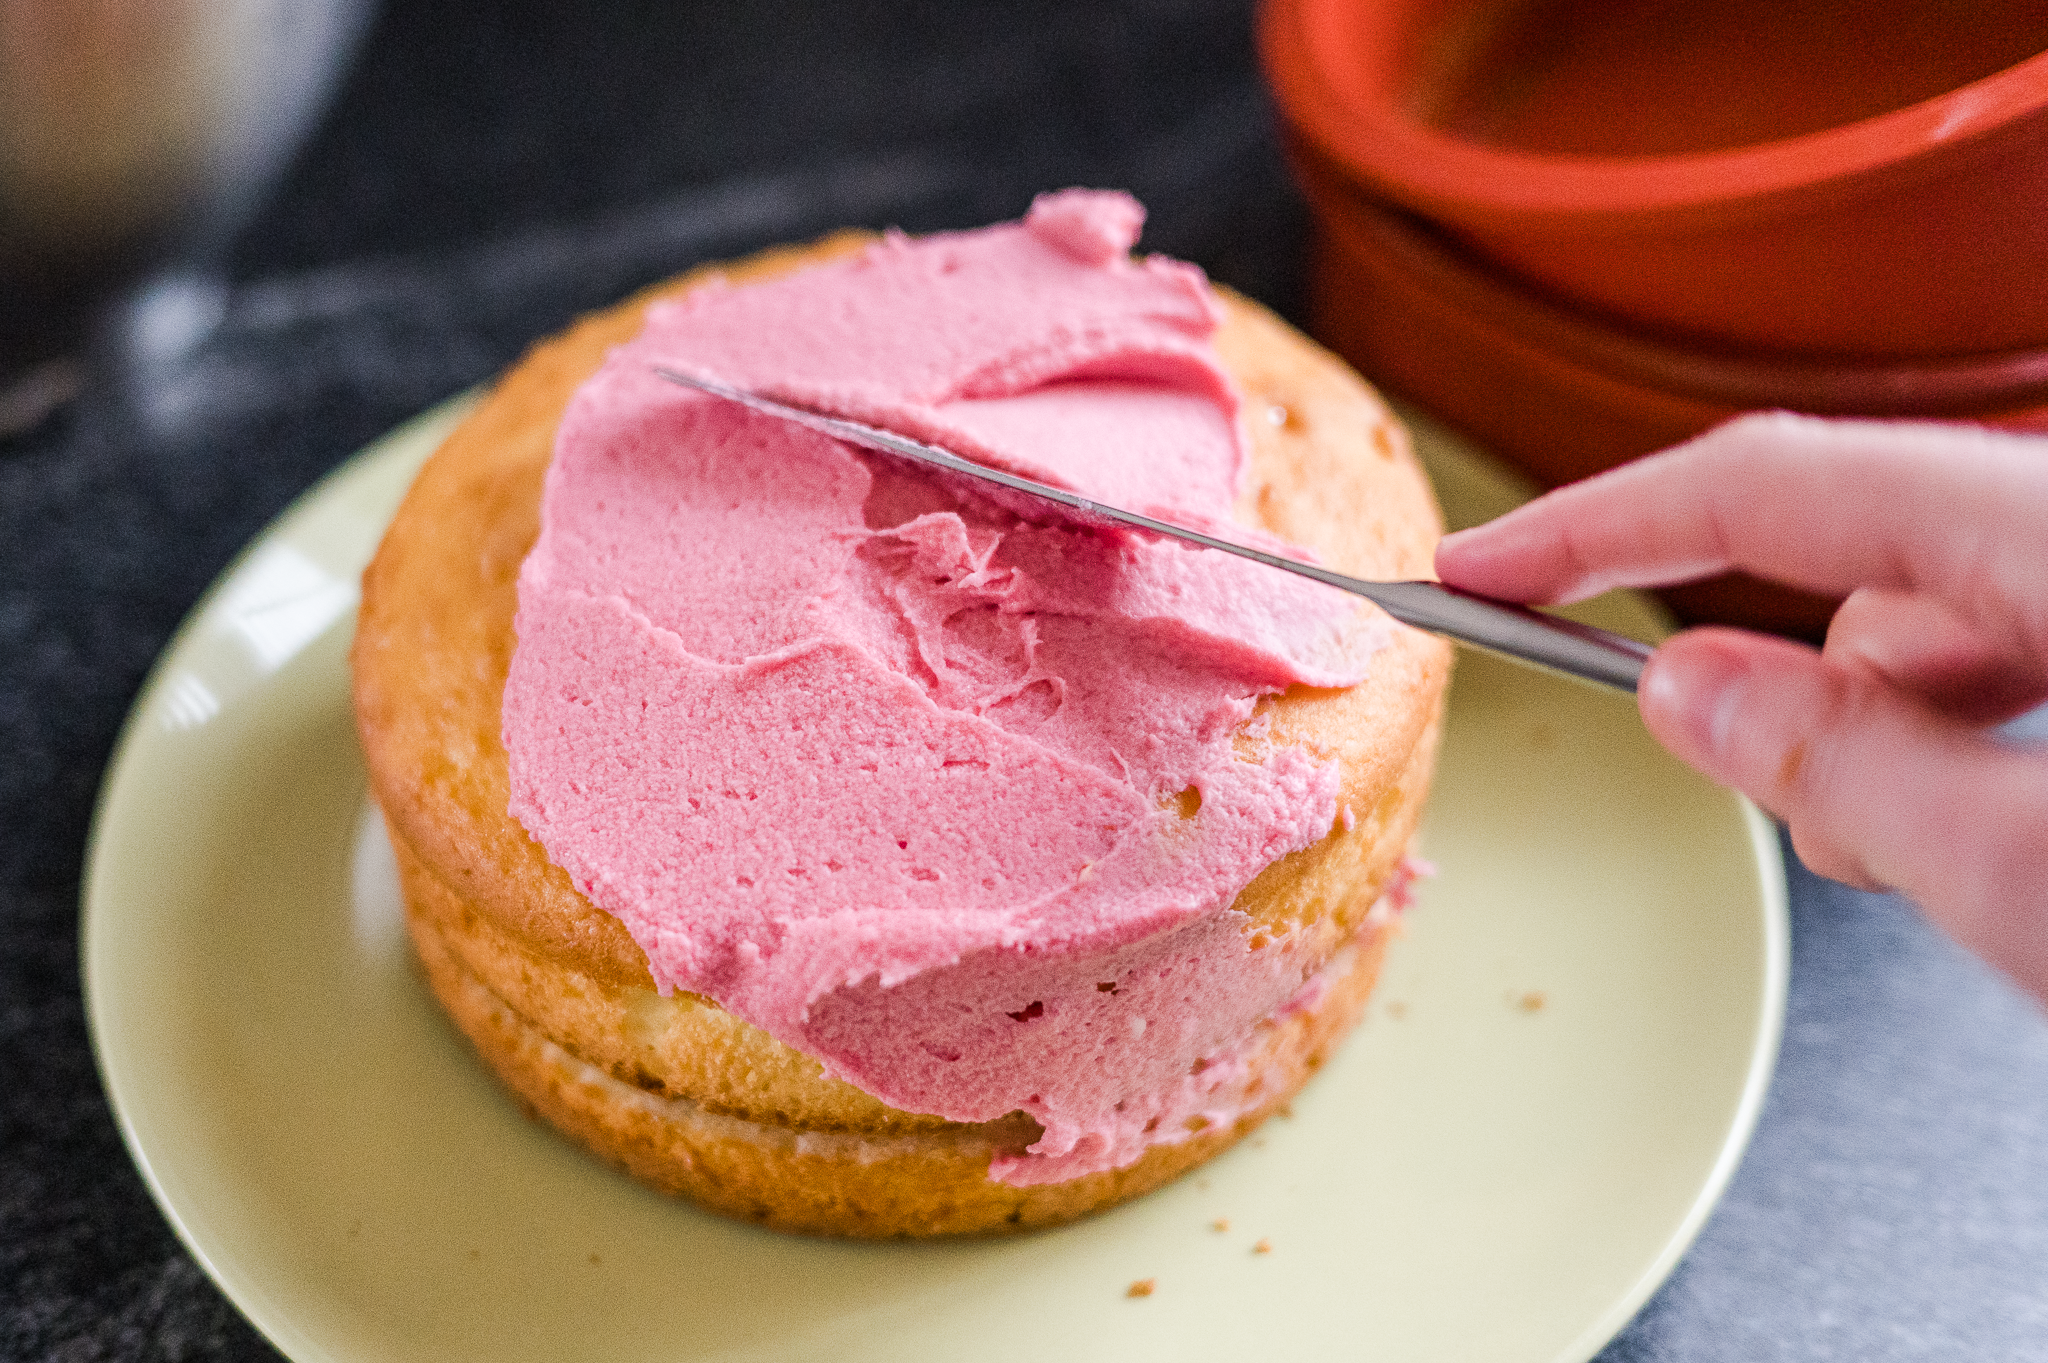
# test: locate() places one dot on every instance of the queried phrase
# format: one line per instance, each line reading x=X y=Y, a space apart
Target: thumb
x=1879 y=791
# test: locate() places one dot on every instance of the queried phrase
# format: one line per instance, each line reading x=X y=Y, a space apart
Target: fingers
x=1929 y=650
x=1574 y=543
x=1878 y=791
x=1870 y=750
x=1829 y=506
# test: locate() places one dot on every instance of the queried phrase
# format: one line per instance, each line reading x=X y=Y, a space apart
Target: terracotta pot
x=1854 y=182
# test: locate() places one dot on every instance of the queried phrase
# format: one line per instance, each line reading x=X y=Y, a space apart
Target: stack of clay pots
x=1583 y=230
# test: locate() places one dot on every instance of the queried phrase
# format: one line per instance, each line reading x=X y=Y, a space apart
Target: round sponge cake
x=558 y=998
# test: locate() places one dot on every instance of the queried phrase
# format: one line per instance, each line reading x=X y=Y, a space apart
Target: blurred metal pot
x=137 y=135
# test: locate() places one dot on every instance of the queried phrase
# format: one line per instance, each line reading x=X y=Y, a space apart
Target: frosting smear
x=948 y=792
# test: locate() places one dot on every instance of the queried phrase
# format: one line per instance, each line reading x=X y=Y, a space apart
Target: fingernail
x=1690 y=699
x=1448 y=547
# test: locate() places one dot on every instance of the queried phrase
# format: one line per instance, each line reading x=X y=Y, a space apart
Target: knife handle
x=1549 y=641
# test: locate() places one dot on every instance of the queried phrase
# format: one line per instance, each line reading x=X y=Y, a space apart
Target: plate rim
x=1766 y=847
x=407 y=443
x=394 y=446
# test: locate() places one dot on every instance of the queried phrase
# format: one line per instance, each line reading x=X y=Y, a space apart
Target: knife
x=1528 y=636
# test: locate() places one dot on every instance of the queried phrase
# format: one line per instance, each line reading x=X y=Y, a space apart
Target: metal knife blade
x=1546 y=641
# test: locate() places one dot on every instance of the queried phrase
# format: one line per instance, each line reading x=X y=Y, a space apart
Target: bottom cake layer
x=924 y=1181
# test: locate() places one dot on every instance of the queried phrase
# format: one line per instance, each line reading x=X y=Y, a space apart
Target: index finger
x=1956 y=511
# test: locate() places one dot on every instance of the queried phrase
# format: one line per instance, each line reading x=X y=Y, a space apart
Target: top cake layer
x=860 y=754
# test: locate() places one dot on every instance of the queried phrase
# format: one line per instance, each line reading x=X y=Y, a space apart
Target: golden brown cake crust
x=873 y=1185
x=557 y=997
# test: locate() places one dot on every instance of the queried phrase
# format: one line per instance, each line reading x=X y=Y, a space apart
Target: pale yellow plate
x=1551 y=1089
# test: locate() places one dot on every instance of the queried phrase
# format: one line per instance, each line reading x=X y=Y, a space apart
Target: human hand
x=1875 y=749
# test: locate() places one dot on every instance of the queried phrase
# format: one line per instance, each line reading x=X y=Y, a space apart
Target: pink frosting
x=890 y=770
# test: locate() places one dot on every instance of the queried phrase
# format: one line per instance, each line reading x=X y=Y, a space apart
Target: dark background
x=487 y=171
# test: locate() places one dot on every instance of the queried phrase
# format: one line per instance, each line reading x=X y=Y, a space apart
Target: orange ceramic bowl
x=1852 y=181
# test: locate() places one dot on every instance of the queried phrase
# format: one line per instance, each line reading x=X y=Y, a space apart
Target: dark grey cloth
x=493 y=169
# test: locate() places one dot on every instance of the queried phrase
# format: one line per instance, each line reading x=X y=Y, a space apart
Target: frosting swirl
x=939 y=788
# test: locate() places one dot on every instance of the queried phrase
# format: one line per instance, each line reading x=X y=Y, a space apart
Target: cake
x=858 y=852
